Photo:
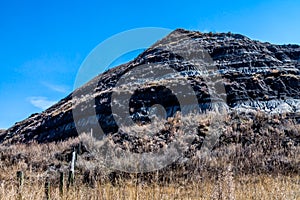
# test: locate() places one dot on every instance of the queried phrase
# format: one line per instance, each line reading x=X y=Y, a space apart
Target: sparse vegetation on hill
x=257 y=157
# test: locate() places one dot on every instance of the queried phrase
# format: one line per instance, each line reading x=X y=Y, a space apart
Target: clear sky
x=43 y=43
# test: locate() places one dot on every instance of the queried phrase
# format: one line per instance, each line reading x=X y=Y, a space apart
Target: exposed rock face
x=255 y=75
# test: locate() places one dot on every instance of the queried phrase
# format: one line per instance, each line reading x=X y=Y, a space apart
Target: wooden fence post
x=72 y=170
x=20 y=177
x=79 y=147
x=61 y=184
x=47 y=189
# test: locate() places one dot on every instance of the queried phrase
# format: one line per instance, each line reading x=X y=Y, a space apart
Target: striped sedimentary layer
x=226 y=71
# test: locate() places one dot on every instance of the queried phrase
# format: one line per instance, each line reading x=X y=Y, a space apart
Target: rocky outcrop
x=254 y=75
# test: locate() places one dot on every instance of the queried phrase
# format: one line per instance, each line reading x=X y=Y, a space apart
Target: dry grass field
x=256 y=159
x=240 y=187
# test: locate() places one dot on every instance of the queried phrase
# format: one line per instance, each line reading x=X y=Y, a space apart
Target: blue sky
x=43 y=43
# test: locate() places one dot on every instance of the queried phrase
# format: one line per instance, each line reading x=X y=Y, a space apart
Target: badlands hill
x=251 y=76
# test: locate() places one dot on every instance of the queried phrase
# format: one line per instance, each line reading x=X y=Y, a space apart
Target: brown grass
x=257 y=157
x=241 y=187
